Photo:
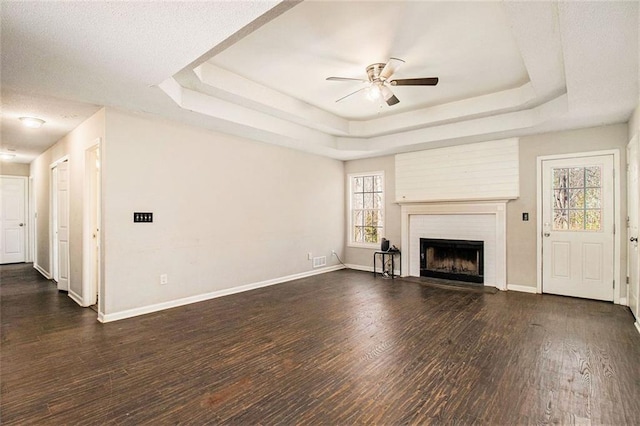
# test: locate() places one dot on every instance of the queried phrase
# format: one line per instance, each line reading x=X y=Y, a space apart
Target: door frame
x=88 y=255
x=53 y=188
x=617 y=193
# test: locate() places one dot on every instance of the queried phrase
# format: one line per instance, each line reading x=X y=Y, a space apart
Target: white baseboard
x=366 y=268
x=637 y=324
x=521 y=288
x=42 y=271
x=213 y=295
x=623 y=301
x=76 y=298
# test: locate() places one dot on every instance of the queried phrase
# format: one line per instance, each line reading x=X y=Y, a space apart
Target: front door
x=633 y=193
x=12 y=219
x=578 y=227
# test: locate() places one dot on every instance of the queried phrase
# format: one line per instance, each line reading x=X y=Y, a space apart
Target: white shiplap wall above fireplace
x=480 y=171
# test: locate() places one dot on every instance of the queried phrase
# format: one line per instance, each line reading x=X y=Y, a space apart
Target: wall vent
x=319 y=261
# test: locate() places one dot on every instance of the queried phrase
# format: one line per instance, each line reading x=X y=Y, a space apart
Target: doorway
x=13 y=223
x=60 y=223
x=578 y=226
x=92 y=228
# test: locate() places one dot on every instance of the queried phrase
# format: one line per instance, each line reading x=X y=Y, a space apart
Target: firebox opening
x=459 y=260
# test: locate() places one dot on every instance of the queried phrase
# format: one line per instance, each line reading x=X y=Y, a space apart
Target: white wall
x=227 y=212
x=72 y=145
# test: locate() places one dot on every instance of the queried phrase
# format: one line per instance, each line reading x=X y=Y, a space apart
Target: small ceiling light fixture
x=6 y=157
x=32 y=122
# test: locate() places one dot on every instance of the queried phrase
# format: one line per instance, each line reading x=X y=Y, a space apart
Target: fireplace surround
x=477 y=220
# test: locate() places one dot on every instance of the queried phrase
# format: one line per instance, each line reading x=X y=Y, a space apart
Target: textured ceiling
x=257 y=68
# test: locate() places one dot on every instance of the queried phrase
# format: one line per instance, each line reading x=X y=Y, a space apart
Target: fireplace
x=459 y=260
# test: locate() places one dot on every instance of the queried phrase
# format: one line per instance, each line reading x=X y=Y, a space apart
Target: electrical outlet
x=333 y=252
x=309 y=256
x=164 y=279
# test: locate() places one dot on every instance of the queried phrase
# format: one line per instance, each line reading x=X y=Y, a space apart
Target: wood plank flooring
x=339 y=348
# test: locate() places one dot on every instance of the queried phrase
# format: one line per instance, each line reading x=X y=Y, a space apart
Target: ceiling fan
x=379 y=81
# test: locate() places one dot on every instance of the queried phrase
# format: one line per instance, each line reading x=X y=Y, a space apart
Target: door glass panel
x=576 y=200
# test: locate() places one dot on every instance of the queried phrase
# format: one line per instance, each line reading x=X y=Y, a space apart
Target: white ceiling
x=257 y=69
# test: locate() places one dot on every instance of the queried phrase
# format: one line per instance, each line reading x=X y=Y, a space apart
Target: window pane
x=592 y=198
x=358 y=184
x=368 y=200
x=559 y=178
x=593 y=177
x=377 y=201
x=371 y=234
x=593 y=219
x=371 y=218
x=576 y=200
x=358 y=201
x=560 y=198
x=358 y=235
x=560 y=220
x=377 y=184
x=576 y=220
x=368 y=183
x=358 y=218
x=576 y=177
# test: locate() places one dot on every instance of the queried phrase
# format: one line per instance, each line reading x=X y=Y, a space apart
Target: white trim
x=359 y=267
x=76 y=298
x=368 y=269
x=215 y=294
x=521 y=288
x=42 y=271
x=351 y=243
x=617 y=195
x=497 y=208
x=637 y=324
x=623 y=301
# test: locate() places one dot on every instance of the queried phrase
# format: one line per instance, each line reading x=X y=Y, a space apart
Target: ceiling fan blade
x=346 y=79
x=388 y=96
x=392 y=66
x=353 y=93
x=429 y=81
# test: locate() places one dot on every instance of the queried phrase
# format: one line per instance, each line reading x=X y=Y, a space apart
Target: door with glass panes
x=578 y=227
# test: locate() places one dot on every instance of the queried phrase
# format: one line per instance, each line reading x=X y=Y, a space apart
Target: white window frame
x=350 y=242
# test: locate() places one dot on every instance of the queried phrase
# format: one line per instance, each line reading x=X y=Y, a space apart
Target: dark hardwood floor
x=339 y=348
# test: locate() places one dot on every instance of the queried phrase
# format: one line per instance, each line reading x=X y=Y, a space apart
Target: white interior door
x=578 y=227
x=62 y=224
x=12 y=219
x=633 y=195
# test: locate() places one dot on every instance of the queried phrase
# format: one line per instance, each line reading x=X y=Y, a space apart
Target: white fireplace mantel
x=496 y=208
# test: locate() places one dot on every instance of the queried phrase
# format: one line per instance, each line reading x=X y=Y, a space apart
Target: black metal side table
x=383 y=255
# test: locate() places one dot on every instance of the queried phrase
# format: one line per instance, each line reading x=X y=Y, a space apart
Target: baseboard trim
x=76 y=298
x=623 y=301
x=637 y=324
x=213 y=295
x=521 y=288
x=42 y=271
x=366 y=268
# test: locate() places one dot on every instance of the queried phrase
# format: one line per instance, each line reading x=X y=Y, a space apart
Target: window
x=576 y=199
x=366 y=220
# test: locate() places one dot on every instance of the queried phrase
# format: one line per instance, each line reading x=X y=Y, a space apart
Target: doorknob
x=547 y=234
x=633 y=239
x=22 y=224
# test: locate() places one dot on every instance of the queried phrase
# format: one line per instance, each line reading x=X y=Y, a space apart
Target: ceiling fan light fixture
x=32 y=122
x=373 y=92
